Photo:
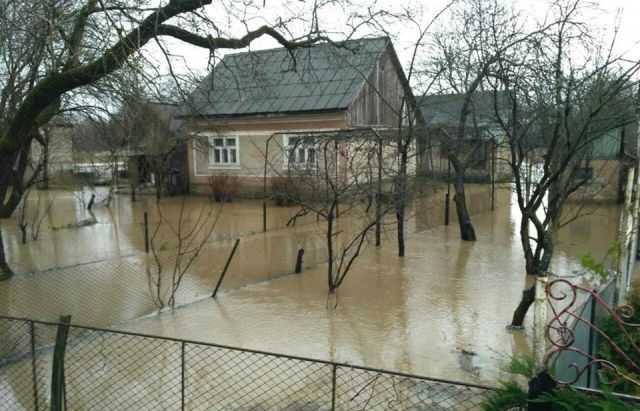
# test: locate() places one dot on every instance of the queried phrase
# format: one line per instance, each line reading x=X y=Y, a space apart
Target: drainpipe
x=627 y=227
x=626 y=260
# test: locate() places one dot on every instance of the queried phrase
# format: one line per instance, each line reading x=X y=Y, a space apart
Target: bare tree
x=560 y=106
x=466 y=52
x=41 y=209
x=337 y=188
x=175 y=251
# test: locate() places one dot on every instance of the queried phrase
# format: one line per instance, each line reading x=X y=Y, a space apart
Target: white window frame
x=224 y=151
x=305 y=149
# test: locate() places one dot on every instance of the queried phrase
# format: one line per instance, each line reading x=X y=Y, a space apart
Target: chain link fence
x=93 y=265
x=99 y=274
x=108 y=292
x=107 y=369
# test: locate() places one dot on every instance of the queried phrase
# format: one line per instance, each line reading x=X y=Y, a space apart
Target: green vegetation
x=589 y=262
x=570 y=399
x=513 y=396
x=627 y=342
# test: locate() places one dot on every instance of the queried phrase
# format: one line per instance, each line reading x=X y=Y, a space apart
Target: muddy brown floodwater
x=441 y=311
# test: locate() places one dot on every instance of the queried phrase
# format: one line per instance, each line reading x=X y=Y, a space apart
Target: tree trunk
x=528 y=297
x=400 y=193
x=400 y=222
x=536 y=264
x=11 y=203
x=330 y=282
x=44 y=183
x=159 y=177
x=399 y=200
x=467 y=232
x=13 y=168
x=5 y=271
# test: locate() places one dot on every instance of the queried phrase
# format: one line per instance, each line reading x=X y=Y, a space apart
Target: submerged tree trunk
x=537 y=264
x=467 y=232
x=10 y=204
x=5 y=271
x=400 y=192
x=528 y=297
x=400 y=202
x=44 y=181
x=13 y=169
x=330 y=281
x=538 y=252
x=400 y=221
x=10 y=188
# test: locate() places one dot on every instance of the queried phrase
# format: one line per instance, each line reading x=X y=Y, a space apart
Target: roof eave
x=260 y=114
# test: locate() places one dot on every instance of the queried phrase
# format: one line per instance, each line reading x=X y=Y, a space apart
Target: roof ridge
x=318 y=84
x=325 y=43
x=478 y=92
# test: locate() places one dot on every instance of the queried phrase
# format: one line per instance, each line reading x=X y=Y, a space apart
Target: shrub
x=224 y=186
x=284 y=190
x=626 y=342
x=510 y=395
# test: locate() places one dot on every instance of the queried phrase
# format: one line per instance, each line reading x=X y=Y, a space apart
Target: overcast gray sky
x=603 y=19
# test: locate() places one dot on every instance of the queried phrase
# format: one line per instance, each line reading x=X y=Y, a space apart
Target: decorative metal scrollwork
x=567 y=302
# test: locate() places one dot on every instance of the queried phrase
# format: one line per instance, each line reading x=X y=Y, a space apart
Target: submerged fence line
x=123 y=370
x=86 y=291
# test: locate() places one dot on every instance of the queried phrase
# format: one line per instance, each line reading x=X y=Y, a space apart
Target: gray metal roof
x=444 y=109
x=322 y=77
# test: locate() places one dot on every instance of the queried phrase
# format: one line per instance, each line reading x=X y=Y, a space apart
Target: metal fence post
x=32 y=337
x=448 y=195
x=58 y=389
x=264 y=215
x=299 y=261
x=146 y=233
x=591 y=374
x=224 y=270
x=182 y=399
x=333 y=387
x=446 y=209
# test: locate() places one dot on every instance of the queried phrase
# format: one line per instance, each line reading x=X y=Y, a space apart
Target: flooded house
x=98 y=153
x=483 y=143
x=607 y=169
x=54 y=153
x=275 y=108
x=144 y=143
x=156 y=149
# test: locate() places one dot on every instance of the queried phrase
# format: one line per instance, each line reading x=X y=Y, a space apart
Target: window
x=223 y=151
x=301 y=151
x=479 y=155
x=582 y=174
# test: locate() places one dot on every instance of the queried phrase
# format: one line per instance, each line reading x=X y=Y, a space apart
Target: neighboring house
x=483 y=141
x=156 y=149
x=605 y=172
x=144 y=142
x=97 y=152
x=252 y=97
x=56 y=155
